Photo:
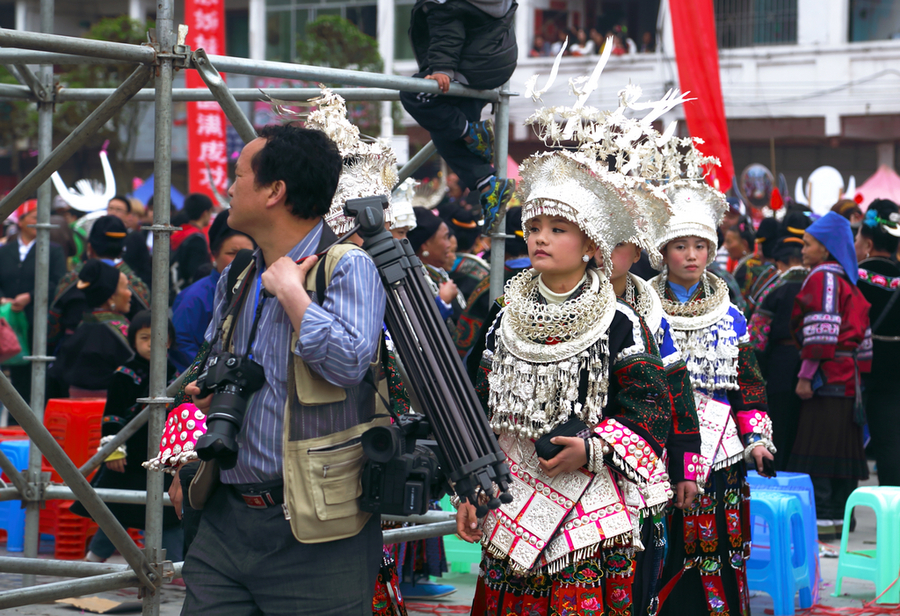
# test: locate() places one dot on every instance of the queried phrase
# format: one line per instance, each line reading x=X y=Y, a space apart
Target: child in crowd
x=123 y=470
x=471 y=42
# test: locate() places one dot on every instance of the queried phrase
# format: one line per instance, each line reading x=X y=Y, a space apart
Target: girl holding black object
x=710 y=541
x=564 y=357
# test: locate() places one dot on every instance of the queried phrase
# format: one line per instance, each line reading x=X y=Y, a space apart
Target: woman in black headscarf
x=86 y=361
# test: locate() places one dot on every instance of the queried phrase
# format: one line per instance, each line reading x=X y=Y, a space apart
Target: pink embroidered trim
x=692 y=466
x=755 y=422
x=184 y=426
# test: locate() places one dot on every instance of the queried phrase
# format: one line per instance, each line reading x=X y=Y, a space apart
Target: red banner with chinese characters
x=697 y=55
x=207 y=148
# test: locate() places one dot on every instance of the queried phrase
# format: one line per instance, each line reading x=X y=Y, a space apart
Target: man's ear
x=277 y=192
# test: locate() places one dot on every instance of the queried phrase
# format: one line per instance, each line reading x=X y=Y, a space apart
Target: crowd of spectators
x=588 y=42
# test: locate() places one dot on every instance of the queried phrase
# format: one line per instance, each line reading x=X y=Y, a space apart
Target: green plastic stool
x=881 y=565
x=462 y=557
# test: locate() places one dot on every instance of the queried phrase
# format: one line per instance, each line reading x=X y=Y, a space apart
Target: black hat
x=794 y=224
x=98 y=281
x=464 y=225
x=515 y=246
x=107 y=237
x=766 y=234
x=786 y=248
x=427 y=224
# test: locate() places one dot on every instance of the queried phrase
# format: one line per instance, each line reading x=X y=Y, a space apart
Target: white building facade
x=805 y=82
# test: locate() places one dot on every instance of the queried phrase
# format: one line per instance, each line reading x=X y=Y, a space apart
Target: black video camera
x=231 y=379
x=402 y=475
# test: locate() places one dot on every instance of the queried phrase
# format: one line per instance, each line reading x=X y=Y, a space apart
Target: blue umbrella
x=145 y=191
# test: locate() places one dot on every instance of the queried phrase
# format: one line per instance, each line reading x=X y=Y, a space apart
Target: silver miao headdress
x=402 y=205
x=370 y=166
x=600 y=186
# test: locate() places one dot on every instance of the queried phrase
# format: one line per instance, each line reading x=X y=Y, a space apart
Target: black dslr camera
x=402 y=475
x=231 y=379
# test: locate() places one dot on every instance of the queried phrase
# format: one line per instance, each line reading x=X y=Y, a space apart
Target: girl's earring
x=425 y=253
x=585 y=258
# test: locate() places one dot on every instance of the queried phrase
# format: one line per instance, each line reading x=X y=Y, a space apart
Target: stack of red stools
x=76 y=424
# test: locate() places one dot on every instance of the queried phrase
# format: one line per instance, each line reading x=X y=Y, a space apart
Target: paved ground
x=855 y=592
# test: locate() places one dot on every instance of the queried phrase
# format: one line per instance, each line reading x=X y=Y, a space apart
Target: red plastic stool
x=76 y=424
x=73 y=533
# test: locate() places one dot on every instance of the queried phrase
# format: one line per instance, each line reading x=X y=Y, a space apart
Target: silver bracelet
x=763 y=442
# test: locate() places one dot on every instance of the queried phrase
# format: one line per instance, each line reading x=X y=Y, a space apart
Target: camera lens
x=381 y=443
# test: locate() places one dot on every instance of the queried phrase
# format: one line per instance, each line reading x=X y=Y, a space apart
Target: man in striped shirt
x=245 y=559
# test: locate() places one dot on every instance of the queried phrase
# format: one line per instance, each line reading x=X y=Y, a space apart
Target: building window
x=750 y=23
x=874 y=20
x=286 y=22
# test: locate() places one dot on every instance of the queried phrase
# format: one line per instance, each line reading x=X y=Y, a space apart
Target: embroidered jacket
x=552 y=523
x=759 y=281
x=722 y=364
x=830 y=320
x=683 y=443
x=771 y=322
x=879 y=279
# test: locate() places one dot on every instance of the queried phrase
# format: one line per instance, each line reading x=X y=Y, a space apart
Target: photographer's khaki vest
x=322 y=475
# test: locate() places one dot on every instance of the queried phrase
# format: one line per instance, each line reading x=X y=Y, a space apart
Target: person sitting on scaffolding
x=471 y=42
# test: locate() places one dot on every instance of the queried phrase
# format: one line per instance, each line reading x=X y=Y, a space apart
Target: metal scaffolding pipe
x=74 y=141
x=28 y=56
x=126 y=432
x=416 y=161
x=286 y=70
x=11 y=91
x=219 y=89
x=72 y=588
x=107 y=495
x=27 y=76
x=414 y=533
x=159 y=302
x=501 y=152
x=122 y=52
x=61 y=568
x=14 y=71
x=427 y=518
x=239 y=94
x=79 y=485
x=41 y=296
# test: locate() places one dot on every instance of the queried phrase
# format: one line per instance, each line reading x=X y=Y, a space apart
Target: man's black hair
x=124 y=200
x=196 y=205
x=142 y=321
x=306 y=160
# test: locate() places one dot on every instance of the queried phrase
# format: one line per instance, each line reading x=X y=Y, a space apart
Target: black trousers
x=831 y=496
x=883 y=413
x=445 y=117
x=246 y=562
x=783 y=363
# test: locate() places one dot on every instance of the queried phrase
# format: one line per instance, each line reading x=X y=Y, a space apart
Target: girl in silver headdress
x=575 y=389
x=710 y=540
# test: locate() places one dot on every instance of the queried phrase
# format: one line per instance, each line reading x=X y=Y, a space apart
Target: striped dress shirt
x=337 y=340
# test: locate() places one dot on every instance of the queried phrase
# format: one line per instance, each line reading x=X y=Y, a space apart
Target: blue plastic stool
x=881 y=564
x=801 y=485
x=786 y=570
x=12 y=516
